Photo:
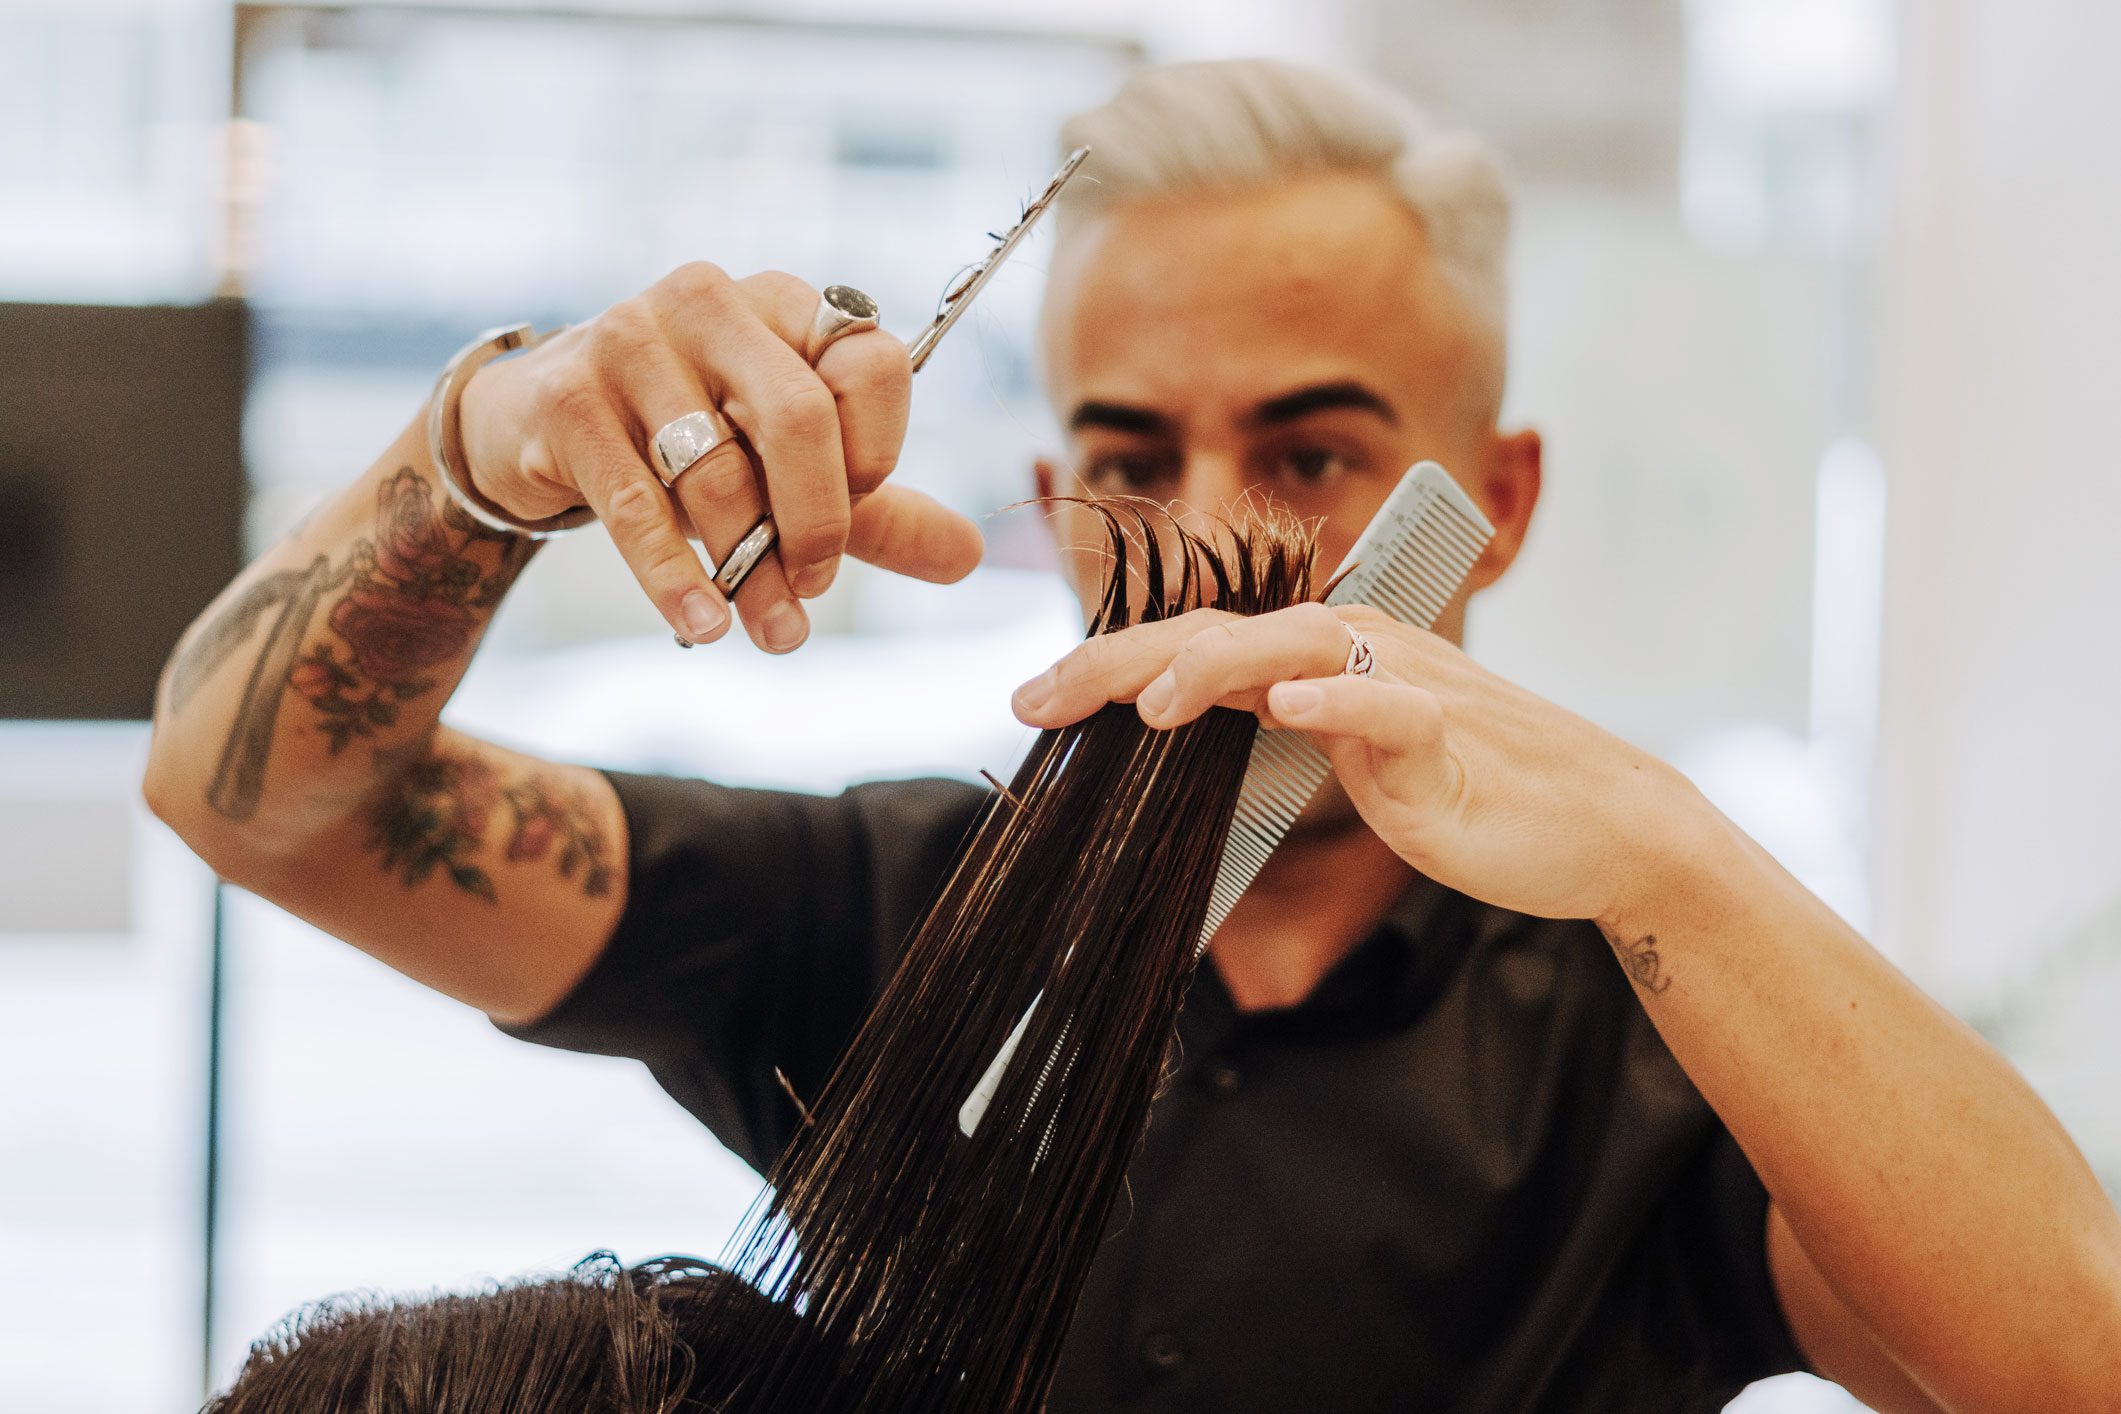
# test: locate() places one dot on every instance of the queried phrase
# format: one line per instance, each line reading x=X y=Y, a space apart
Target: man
x=1427 y=1148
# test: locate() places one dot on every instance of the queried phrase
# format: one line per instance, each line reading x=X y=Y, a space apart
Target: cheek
x=1345 y=521
x=1333 y=547
x=1079 y=539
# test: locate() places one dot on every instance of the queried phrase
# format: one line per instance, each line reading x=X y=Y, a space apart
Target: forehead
x=1212 y=302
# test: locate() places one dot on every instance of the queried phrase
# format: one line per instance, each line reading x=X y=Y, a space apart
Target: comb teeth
x=1284 y=773
x=1408 y=562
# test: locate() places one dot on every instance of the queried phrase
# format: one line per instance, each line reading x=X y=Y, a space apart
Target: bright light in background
x=1807 y=798
x=1848 y=609
x=111 y=130
x=1778 y=97
x=1792 y=54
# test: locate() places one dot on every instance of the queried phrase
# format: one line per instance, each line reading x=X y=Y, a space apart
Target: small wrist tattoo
x=1642 y=962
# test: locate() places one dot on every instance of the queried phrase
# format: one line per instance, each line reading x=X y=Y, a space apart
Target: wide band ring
x=841 y=310
x=1362 y=658
x=682 y=442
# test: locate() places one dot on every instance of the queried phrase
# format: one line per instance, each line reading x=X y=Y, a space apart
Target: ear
x=1508 y=489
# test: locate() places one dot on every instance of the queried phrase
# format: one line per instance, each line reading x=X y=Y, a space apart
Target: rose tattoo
x=412 y=602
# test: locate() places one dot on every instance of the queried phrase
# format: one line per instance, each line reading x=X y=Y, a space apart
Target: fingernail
x=1035 y=693
x=703 y=616
x=784 y=627
x=812 y=581
x=1294 y=700
x=1156 y=696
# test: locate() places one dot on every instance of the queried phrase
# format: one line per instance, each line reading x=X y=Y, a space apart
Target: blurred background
x=1813 y=299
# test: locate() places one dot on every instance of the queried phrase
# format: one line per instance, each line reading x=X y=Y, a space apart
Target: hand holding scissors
x=758 y=414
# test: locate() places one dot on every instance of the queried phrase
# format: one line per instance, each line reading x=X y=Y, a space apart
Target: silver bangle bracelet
x=444 y=441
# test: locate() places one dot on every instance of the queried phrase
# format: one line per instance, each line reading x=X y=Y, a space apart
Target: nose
x=1210 y=486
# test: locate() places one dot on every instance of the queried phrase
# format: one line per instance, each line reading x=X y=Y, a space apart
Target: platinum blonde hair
x=1232 y=124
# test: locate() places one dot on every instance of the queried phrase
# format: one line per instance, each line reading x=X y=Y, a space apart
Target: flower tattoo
x=545 y=819
x=413 y=602
x=437 y=817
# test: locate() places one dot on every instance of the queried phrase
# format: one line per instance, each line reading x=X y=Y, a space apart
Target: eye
x=1310 y=466
x=1132 y=473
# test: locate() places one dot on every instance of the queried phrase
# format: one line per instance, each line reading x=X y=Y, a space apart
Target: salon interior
x=1812 y=300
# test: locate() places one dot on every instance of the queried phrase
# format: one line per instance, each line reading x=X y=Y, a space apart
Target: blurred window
x=111 y=117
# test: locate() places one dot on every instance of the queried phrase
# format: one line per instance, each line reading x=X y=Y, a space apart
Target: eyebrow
x=1321 y=397
x=1283 y=407
x=1119 y=417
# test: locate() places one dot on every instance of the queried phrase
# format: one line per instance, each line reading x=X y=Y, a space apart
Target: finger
x=871 y=379
x=785 y=411
x=717 y=495
x=720 y=496
x=598 y=450
x=1111 y=667
x=899 y=529
x=1232 y=663
x=1400 y=726
x=869 y=373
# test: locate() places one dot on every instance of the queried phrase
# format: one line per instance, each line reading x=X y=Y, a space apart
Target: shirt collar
x=1385 y=983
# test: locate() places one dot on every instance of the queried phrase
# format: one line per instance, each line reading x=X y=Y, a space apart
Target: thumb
x=1401 y=725
x=899 y=529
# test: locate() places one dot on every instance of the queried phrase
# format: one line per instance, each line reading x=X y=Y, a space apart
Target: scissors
x=759 y=541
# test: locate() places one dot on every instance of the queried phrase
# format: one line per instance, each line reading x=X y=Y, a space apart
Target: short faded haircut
x=1229 y=125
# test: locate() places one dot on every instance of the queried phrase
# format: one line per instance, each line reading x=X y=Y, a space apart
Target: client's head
x=602 y=1337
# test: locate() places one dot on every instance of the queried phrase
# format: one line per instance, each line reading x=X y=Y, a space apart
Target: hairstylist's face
x=1296 y=341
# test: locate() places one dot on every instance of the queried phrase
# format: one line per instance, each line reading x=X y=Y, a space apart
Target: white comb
x=1409 y=562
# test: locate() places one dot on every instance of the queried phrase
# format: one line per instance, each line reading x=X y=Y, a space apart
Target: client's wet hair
x=897 y=1265
x=601 y=1338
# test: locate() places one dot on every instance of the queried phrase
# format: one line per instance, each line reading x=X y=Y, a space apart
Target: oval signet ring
x=682 y=441
x=841 y=310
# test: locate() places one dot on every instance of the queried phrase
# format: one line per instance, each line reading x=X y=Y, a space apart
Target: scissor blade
x=962 y=293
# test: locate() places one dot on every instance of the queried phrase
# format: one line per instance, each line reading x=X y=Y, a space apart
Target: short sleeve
x=757 y=929
x=1721 y=1214
x=1702 y=1268
x=1688 y=1316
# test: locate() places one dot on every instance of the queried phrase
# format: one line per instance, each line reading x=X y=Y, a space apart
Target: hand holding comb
x=1408 y=562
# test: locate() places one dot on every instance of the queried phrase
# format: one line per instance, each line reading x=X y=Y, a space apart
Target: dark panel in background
x=121 y=495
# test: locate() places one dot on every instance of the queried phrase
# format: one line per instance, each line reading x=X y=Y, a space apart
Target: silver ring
x=1362 y=658
x=683 y=441
x=841 y=310
x=729 y=576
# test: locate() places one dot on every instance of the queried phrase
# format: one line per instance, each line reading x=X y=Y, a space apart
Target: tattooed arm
x=296 y=742
x=297 y=748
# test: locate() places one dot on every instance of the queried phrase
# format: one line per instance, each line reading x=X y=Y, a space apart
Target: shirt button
x=1222 y=1078
x=1163 y=1352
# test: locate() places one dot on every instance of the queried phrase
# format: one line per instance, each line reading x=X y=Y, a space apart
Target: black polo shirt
x=1465 y=1174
